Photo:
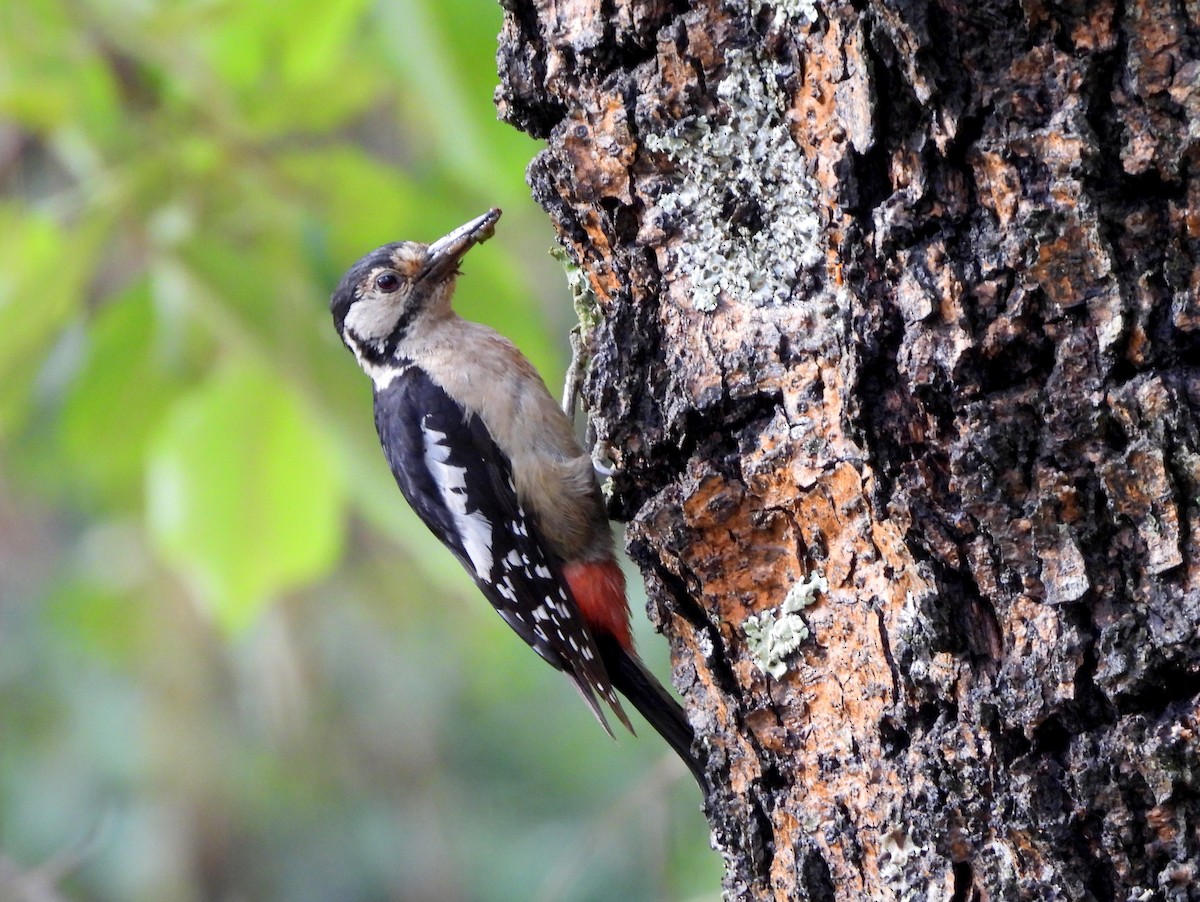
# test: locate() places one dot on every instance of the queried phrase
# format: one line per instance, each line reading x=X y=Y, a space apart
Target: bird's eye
x=387 y=282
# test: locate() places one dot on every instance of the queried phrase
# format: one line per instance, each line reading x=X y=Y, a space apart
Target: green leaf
x=363 y=203
x=317 y=36
x=41 y=287
x=243 y=495
x=117 y=399
x=453 y=112
x=50 y=73
x=276 y=59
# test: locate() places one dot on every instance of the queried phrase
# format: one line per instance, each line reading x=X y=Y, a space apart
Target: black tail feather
x=631 y=678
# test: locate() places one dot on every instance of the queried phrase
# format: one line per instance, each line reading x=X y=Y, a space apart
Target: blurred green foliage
x=233 y=665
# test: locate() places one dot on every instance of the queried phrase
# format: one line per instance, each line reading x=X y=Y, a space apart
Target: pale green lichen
x=773 y=635
x=896 y=849
x=742 y=198
x=803 y=11
x=583 y=297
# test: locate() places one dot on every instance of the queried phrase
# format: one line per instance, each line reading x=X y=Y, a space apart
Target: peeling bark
x=905 y=295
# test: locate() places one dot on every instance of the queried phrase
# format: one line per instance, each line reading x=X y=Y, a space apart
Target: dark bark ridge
x=907 y=296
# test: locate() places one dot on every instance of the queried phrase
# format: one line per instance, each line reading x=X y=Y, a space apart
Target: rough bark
x=906 y=296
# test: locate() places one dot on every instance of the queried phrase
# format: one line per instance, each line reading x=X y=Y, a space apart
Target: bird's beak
x=443 y=255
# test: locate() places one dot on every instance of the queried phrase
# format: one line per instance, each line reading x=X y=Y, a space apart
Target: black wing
x=459 y=482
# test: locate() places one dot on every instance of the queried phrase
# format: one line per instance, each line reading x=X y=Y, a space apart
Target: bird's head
x=387 y=293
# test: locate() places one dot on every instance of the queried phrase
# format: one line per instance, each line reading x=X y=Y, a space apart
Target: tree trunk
x=895 y=346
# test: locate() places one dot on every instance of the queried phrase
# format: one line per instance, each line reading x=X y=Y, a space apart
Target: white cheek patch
x=374 y=318
x=474 y=529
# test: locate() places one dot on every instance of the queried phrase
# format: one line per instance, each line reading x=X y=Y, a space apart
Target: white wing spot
x=506 y=590
x=541 y=570
x=474 y=529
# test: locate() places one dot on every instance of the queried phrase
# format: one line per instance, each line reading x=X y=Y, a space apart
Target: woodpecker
x=490 y=463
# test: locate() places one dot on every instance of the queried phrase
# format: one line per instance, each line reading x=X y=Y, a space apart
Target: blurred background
x=233 y=665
